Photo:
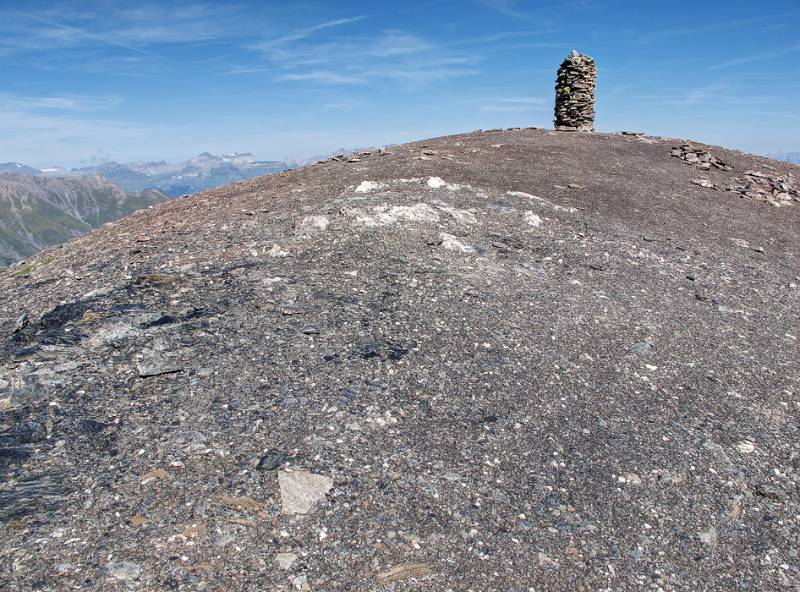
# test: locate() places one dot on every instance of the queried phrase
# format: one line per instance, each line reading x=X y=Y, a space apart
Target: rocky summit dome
x=514 y=360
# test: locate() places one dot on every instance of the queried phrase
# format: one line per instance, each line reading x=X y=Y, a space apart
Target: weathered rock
x=285 y=560
x=770 y=491
x=158 y=367
x=405 y=571
x=272 y=460
x=695 y=155
x=124 y=570
x=301 y=490
x=704 y=183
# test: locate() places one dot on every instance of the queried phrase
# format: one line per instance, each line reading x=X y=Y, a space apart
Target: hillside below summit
x=38 y=212
x=513 y=360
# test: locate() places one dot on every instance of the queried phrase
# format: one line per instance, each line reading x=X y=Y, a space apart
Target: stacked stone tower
x=577 y=79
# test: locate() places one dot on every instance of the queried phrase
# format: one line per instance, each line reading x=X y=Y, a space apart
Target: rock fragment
x=154 y=475
x=532 y=219
x=708 y=537
x=405 y=571
x=770 y=491
x=301 y=490
x=158 y=367
x=695 y=155
x=124 y=570
x=704 y=183
x=367 y=186
x=272 y=460
x=776 y=190
x=451 y=243
x=310 y=225
x=285 y=560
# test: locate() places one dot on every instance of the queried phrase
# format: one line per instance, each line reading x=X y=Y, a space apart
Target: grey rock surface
x=525 y=360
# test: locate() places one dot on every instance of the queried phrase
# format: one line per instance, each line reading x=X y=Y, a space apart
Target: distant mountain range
x=204 y=171
x=44 y=207
x=787 y=156
x=38 y=211
x=196 y=174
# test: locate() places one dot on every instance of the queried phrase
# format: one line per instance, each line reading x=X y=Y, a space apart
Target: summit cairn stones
x=575 y=86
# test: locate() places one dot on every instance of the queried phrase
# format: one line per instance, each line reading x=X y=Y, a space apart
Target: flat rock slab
x=300 y=490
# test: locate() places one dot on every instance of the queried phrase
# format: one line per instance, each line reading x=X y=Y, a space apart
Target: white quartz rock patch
x=312 y=225
x=460 y=216
x=385 y=215
x=532 y=219
x=301 y=490
x=439 y=183
x=277 y=251
x=542 y=201
x=451 y=243
x=367 y=186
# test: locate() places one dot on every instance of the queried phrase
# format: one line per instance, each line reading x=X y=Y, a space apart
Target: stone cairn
x=577 y=78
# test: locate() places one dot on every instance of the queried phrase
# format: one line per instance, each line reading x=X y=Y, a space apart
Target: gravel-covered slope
x=514 y=361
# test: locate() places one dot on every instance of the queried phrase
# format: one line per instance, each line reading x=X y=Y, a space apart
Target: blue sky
x=141 y=80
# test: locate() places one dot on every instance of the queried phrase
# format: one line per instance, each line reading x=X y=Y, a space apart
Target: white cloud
x=756 y=57
x=81 y=103
x=400 y=56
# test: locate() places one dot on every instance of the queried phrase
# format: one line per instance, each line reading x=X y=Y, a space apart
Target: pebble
x=770 y=491
x=708 y=537
x=301 y=583
x=124 y=570
x=704 y=183
x=154 y=475
x=746 y=447
x=285 y=560
x=272 y=460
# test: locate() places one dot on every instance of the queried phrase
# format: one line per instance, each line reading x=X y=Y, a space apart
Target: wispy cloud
x=324 y=77
x=77 y=103
x=756 y=57
x=131 y=29
x=299 y=34
x=664 y=34
x=396 y=55
x=76 y=34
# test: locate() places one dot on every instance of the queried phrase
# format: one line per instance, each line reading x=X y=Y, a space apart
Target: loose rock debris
x=508 y=386
x=776 y=190
x=695 y=155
